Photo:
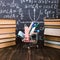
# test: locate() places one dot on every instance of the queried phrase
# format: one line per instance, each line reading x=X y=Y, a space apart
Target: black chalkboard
x=58 y=12
x=28 y=10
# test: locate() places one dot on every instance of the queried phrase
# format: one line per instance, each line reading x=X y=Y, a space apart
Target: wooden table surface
x=18 y=53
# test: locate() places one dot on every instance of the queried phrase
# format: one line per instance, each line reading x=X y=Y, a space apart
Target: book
x=7 y=30
x=52 y=38
x=52 y=32
x=8 y=26
x=7 y=21
x=21 y=34
x=7 y=44
x=31 y=25
x=52 y=45
x=33 y=28
x=7 y=39
x=52 y=22
x=52 y=26
x=52 y=42
x=26 y=28
x=7 y=35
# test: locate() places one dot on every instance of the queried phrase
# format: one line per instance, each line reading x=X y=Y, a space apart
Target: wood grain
x=52 y=22
x=7 y=44
x=7 y=30
x=52 y=45
x=7 y=26
x=18 y=53
x=7 y=21
x=52 y=26
x=7 y=39
x=7 y=35
x=52 y=38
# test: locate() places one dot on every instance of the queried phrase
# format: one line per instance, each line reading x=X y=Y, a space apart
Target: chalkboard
x=58 y=10
x=26 y=11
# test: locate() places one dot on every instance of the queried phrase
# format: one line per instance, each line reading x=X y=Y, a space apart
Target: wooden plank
x=52 y=38
x=52 y=22
x=7 y=26
x=7 y=44
x=52 y=26
x=7 y=39
x=52 y=45
x=7 y=30
x=7 y=21
x=52 y=42
x=51 y=31
x=7 y=35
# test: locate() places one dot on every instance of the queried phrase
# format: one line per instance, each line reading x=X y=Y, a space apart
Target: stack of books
x=52 y=33
x=7 y=32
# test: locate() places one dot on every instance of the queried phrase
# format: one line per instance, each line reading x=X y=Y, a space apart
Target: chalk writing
x=30 y=8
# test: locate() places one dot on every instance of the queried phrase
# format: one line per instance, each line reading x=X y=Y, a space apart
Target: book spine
x=33 y=29
x=26 y=33
x=21 y=34
x=31 y=26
